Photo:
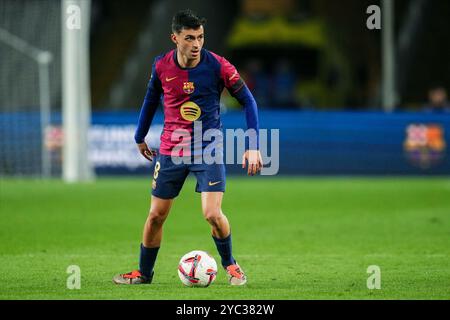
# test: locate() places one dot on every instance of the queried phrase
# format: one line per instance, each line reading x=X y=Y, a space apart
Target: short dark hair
x=186 y=19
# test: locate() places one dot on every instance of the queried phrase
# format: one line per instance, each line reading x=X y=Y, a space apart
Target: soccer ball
x=197 y=269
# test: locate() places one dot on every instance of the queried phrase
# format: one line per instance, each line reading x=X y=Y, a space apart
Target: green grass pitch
x=296 y=238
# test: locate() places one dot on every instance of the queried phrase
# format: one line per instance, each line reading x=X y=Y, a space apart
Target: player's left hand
x=254 y=159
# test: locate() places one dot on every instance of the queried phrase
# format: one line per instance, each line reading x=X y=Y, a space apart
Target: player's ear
x=173 y=37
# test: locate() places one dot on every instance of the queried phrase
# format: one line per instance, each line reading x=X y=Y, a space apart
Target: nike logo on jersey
x=170 y=79
x=213 y=183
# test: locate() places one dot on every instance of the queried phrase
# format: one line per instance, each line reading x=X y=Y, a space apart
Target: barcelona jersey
x=191 y=95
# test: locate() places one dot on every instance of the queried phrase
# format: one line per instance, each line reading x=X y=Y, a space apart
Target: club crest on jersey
x=188 y=87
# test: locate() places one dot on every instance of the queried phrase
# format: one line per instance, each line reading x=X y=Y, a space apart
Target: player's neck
x=184 y=62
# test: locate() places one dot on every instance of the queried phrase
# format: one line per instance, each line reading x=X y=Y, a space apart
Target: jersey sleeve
x=231 y=77
x=149 y=106
x=239 y=90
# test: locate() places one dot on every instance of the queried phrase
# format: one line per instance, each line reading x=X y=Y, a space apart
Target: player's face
x=189 y=42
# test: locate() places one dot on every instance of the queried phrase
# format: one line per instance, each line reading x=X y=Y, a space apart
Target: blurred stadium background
x=348 y=101
x=314 y=67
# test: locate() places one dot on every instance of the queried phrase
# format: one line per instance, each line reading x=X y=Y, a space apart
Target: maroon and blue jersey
x=192 y=94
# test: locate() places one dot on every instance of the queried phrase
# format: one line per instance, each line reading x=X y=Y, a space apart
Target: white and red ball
x=197 y=269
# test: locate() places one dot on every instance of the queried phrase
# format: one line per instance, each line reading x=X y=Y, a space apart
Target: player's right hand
x=146 y=151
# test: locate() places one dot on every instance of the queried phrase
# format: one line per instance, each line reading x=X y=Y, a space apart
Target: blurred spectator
x=284 y=82
x=437 y=100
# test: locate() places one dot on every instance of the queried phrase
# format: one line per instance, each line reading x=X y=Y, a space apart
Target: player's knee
x=157 y=217
x=213 y=216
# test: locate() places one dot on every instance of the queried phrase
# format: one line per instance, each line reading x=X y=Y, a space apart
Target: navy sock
x=147 y=260
x=224 y=248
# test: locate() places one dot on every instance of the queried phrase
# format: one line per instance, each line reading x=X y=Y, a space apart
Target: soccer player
x=190 y=79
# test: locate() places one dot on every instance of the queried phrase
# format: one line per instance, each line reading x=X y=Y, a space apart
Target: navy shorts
x=168 y=177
